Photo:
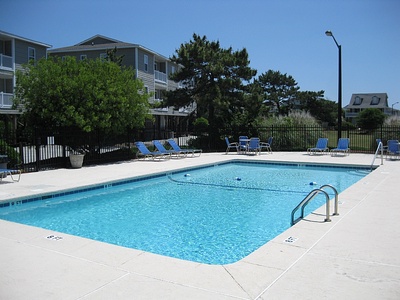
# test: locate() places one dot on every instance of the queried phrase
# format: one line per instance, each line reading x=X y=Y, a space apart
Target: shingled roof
x=100 y=42
x=368 y=100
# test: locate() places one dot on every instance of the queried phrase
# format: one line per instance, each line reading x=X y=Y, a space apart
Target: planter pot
x=76 y=160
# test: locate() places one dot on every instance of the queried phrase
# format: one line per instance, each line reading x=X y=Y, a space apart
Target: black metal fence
x=299 y=138
x=42 y=150
x=34 y=151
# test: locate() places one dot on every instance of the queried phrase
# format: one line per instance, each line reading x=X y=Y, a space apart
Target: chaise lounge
x=393 y=149
x=146 y=153
x=160 y=147
x=321 y=147
x=5 y=172
x=342 y=147
x=176 y=147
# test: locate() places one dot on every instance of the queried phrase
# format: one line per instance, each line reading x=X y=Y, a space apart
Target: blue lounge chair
x=254 y=146
x=393 y=149
x=160 y=147
x=146 y=153
x=176 y=147
x=243 y=143
x=342 y=147
x=267 y=145
x=5 y=172
x=230 y=145
x=321 y=147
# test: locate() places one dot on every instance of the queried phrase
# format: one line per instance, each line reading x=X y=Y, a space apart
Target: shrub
x=200 y=125
x=291 y=135
x=370 y=118
x=13 y=157
x=392 y=121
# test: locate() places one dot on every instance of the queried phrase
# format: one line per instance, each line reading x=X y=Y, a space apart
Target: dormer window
x=358 y=100
x=375 y=100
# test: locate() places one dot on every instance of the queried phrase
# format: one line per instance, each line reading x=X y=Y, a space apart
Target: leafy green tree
x=370 y=118
x=200 y=125
x=323 y=110
x=253 y=106
x=112 y=56
x=89 y=95
x=279 y=90
x=214 y=78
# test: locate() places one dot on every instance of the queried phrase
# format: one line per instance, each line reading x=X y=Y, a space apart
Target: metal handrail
x=336 y=212
x=380 y=147
x=308 y=198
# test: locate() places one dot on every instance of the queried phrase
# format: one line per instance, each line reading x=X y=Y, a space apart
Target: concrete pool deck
x=355 y=256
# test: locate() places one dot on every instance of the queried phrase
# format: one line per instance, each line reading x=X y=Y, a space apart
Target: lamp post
x=394 y=105
x=339 y=132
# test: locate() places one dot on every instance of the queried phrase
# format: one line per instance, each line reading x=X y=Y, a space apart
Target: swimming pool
x=213 y=215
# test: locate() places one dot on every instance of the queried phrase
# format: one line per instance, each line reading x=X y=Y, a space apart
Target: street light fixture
x=339 y=132
x=394 y=105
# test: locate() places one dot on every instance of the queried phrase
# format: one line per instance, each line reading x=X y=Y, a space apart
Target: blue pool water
x=213 y=215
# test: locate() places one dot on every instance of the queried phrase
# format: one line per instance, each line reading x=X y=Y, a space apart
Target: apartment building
x=15 y=51
x=149 y=66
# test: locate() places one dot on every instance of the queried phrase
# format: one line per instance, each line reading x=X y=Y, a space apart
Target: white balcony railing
x=5 y=62
x=351 y=114
x=160 y=76
x=6 y=100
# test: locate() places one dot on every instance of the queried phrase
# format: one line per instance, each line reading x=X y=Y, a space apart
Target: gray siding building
x=152 y=68
x=15 y=51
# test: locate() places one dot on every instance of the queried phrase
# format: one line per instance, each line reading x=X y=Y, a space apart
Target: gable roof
x=100 y=42
x=98 y=39
x=368 y=100
x=7 y=35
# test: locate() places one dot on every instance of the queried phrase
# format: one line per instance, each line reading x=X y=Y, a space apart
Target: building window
x=172 y=69
x=31 y=53
x=103 y=56
x=146 y=89
x=375 y=100
x=83 y=56
x=358 y=100
x=146 y=63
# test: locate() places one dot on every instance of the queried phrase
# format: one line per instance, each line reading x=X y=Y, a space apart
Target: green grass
x=358 y=141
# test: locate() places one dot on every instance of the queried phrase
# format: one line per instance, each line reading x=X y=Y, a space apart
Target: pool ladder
x=378 y=149
x=311 y=196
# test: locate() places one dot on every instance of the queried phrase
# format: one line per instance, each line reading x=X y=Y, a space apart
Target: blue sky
x=284 y=35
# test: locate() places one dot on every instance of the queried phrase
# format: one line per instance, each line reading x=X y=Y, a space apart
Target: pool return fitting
x=311 y=196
